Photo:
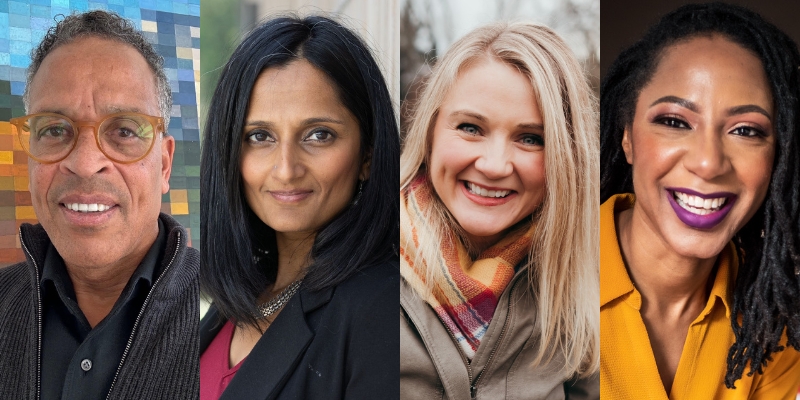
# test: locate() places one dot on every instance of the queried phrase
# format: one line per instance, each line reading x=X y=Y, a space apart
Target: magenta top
x=215 y=370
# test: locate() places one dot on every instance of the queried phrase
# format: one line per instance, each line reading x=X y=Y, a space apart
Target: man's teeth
x=699 y=205
x=87 y=207
x=486 y=193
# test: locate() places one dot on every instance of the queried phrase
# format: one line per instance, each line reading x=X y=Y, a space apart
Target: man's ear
x=167 y=152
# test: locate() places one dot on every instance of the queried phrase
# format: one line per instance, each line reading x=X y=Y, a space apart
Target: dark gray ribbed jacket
x=162 y=360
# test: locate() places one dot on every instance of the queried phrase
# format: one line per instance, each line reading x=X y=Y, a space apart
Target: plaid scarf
x=466 y=297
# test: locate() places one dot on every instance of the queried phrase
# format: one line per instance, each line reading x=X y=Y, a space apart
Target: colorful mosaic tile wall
x=174 y=29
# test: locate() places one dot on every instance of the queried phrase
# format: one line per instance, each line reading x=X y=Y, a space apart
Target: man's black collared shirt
x=78 y=361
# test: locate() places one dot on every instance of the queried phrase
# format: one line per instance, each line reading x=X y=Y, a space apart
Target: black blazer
x=338 y=343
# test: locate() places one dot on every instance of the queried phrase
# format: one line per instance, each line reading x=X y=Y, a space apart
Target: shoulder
x=14 y=278
x=372 y=293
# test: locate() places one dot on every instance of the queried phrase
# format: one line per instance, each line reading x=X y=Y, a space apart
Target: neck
x=671 y=285
x=293 y=256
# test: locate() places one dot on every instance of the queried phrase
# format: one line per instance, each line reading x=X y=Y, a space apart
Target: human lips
x=290 y=196
x=486 y=195
x=700 y=210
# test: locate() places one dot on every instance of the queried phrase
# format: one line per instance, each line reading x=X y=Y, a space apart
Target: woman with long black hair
x=300 y=219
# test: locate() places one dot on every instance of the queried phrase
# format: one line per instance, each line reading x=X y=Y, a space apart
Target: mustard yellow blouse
x=627 y=365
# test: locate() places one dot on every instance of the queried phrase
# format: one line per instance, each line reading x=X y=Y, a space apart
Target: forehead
x=93 y=75
x=297 y=89
x=714 y=62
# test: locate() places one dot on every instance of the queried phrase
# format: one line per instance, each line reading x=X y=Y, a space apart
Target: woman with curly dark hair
x=700 y=181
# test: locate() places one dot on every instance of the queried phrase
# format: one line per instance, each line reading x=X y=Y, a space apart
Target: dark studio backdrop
x=625 y=21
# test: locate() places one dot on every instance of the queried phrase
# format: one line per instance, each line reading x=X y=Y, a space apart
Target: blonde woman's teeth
x=480 y=191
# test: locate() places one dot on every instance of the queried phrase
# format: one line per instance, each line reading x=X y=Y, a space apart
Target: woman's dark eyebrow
x=307 y=121
x=748 y=109
x=678 y=101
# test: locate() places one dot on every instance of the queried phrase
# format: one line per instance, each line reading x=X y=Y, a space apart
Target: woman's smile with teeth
x=697 y=204
x=480 y=191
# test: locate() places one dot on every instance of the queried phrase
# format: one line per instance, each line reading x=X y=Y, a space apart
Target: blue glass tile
x=117 y=8
x=183 y=41
x=148 y=14
x=5 y=59
x=82 y=5
x=15 y=7
x=17 y=74
x=185 y=64
x=40 y=11
x=173 y=83
x=19 y=21
x=37 y=35
x=162 y=16
x=193 y=135
x=175 y=111
x=116 y=2
x=133 y=13
x=166 y=39
x=189 y=111
x=149 y=4
x=19 y=34
x=183 y=98
x=186 y=75
x=97 y=6
x=179 y=8
x=59 y=3
x=19 y=47
x=174 y=122
x=59 y=10
x=171 y=62
x=189 y=123
x=194 y=9
x=186 y=86
x=164 y=6
x=166 y=27
x=4 y=71
x=151 y=37
x=166 y=51
x=131 y=3
x=39 y=2
x=20 y=60
x=194 y=2
x=17 y=88
x=196 y=43
x=4 y=22
x=182 y=30
x=176 y=133
x=41 y=24
x=4 y=46
x=171 y=73
x=4 y=7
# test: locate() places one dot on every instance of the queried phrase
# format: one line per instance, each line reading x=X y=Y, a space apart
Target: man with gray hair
x=106 y=303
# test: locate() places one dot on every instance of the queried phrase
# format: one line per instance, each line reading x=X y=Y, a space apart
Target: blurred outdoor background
x=226 y=22
x=429 y=27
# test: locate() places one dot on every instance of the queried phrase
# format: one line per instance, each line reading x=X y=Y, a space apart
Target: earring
x=360 y=190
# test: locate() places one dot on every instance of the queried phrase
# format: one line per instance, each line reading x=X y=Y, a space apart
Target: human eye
x=748 y=131
x=469 y=129
x=127 y=128
x=532 y=139
x=672 y=122
x=55 y=131
x=320 y=136
x=259 y=137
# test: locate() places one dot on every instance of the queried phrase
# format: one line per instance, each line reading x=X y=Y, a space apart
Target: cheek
x=449 y=156
x=652 y=159
x=532 y=172
x=253 y=170
x=756 y=171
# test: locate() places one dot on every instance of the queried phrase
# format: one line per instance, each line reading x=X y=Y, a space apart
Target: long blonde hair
x=564 y=258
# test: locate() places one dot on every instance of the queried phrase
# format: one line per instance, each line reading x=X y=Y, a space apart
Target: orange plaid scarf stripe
x=466 y=297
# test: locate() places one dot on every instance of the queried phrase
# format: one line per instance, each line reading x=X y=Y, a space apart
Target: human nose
x=495 y=160
x=288 y=165
x=85 y=159
x=706 y=157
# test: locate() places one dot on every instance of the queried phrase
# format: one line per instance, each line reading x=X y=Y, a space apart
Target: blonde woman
x=499 y=238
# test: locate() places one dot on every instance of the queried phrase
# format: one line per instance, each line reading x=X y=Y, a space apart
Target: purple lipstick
x=698 y=221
